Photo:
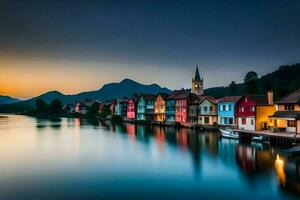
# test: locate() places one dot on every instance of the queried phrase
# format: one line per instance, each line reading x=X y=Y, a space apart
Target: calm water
x=72 y=159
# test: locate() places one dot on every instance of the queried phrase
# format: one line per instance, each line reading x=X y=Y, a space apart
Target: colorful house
x=186 y=107
x=149 y=101
x=121 y=107
x=181 y=106
x=145 y=107
x=208 y=111
x=253 y=111
x=170 y=107
x=160 y=107
x=132 y=107
x=226 y=110
x=193 y=103
x=287 y=115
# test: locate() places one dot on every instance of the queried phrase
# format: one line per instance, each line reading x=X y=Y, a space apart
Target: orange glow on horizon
x=28 y=78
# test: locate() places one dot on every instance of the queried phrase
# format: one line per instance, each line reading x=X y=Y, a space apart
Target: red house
x=246 y=111
x=181 y=106
x=132 y=107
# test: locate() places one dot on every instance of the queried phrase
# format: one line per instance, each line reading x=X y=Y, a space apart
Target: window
x=289 y=107
x=291 y=123
x=200 y=108
x=252 y=108
x=225 y=120
x=229 y=107
x=243 y=120
x=243 y=109
x=230 y=121
x=205 y=109
x=224 y=108
x=210 y=108
x=206 y=120
x=252 y=121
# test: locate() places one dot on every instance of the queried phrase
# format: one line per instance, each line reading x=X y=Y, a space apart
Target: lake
x=75 y=159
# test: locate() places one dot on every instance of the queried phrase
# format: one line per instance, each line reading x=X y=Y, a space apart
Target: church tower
x=197 y=83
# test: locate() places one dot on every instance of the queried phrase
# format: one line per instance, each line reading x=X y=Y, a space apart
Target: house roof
x=148 y=96
x=230 y=99
x=208 y=98
x=135 y=98
x=286 y=114
x=180 y=94
x=123 y=100
x=163 y=95
x=258 y=99
x=292 y=98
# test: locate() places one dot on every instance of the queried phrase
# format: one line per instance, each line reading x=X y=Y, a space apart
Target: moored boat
x=228 y=133
x=260 y=138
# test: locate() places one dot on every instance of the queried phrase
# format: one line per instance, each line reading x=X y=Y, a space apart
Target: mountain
x=109 y=91
x=8 y=100
x=284 y=80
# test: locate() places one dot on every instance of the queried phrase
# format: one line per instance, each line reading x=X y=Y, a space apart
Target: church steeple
x=197 y=75
x=197 y=83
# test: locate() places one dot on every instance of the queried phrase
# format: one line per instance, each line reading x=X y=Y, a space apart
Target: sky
x=75 y=46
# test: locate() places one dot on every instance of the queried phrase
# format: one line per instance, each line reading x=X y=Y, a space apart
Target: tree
x=232 y=87
x=251 y=76
x=93 y=110
x=40 y=106
x=250 y=80
x=55 y=106
x=105 y=111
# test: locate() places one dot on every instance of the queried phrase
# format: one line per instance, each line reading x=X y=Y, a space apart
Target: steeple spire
x=197 y=83
x=197 y=75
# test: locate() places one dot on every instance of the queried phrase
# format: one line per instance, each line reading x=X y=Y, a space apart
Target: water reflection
x=288 y=172
x=183 y=159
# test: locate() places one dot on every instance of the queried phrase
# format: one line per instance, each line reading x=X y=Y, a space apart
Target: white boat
x=260 y=138
x=228 y=133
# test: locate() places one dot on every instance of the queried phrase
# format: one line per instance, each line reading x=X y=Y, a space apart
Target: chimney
x=270 y=97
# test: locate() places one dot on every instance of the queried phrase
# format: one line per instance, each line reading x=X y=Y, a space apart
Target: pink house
x=132 y=107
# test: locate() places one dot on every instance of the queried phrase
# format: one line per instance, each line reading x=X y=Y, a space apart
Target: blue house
x=170 y=106
x=226 y=110
x=145 y=107
x=121 y=107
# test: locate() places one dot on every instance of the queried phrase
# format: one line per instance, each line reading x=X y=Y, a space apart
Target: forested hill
x=282 y=81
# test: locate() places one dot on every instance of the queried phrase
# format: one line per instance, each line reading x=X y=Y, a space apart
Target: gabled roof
x=148 y=96
x=208 y=98
x=135 y=98
x=287 y=114
x=180 y=94
x=234 y=99
x=292 y=98
x=163 y=95
x=258 y=99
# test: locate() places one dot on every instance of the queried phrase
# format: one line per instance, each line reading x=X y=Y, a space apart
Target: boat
x=294 y=151
x=228 y=133
x=260 y=138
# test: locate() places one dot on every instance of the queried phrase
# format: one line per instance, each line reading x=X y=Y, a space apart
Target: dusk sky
x=75 y=46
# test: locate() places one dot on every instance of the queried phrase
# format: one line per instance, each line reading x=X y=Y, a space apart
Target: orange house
x=160 y=107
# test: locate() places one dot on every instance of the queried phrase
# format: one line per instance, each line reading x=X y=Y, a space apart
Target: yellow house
x=263 y=122
x=287 y=115
x=160 y=107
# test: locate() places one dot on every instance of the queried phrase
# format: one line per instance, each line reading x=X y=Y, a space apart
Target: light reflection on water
x=74 y=159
